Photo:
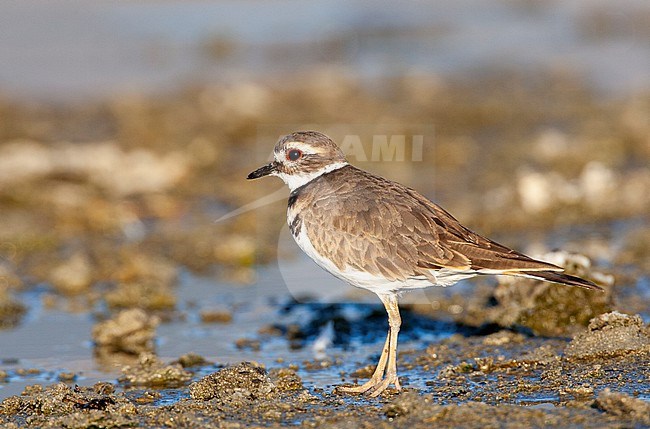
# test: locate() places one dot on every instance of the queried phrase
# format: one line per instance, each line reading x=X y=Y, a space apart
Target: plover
x=382 y=236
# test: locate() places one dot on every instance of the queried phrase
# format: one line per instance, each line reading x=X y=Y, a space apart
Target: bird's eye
x=294 y=155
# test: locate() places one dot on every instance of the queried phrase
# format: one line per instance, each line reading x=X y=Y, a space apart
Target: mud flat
x=598 y=379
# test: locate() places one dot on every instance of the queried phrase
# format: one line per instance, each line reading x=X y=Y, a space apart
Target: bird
x=379 y=235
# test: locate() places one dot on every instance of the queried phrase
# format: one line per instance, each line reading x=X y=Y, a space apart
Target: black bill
x=263 y=171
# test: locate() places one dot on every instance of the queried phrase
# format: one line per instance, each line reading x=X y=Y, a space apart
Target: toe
x=368 y=385
x=377 y=390
x=380 y=387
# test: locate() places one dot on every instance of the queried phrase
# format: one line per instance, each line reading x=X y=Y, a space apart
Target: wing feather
x=368 y=223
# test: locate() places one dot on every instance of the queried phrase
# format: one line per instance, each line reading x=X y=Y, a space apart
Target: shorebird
x=382 y=236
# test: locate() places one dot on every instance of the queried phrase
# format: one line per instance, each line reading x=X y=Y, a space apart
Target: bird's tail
x=561 y=278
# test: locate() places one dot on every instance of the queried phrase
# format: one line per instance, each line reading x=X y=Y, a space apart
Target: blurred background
x=127 y=129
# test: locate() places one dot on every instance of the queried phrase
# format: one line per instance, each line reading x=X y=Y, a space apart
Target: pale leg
x=394 y=321
x=388 y=360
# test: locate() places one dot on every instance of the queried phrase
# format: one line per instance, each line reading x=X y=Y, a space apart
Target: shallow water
x=54 y=341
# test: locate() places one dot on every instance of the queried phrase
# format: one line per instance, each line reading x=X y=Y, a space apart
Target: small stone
x=74 y=276
x=241 y=381
x=216 y=316
x=149 y=294
x=11 y=310
x=622 y=405
x=152 y=372
x=103 y=388
x=67 y=376
x=131 y=331
x=286 y=379
x=503 y=337
x=247 y=343
x=192 y=359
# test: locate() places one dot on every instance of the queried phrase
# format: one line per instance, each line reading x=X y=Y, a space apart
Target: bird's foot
x=387 y=381
x=373 y=387
x=368 y=385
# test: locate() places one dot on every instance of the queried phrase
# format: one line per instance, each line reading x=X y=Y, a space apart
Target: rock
x=598 y=184
x=608 y=335
x=248 y=344
x=241 y=382
x=11 y=310
x=21 y=160
x=285 y=379
x=622 y=405
x=235 y=250
x=503 y=337
x=74 y=276
x=60 y=405
x=67 y=377
x=147 y=293
x=215 y=316
x=60 y=399
x=189 y=360
x=152 y=372
x=137 y=266
x=131 y=331
x=406 y=403
x=551 y=309
x=536 y=190
x=8 y=277
x=104 y=164
x=143 y=280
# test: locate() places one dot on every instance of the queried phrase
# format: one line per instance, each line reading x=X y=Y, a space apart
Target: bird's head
x=301 y=157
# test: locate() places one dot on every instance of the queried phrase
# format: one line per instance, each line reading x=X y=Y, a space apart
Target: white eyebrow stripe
x=301 y=146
